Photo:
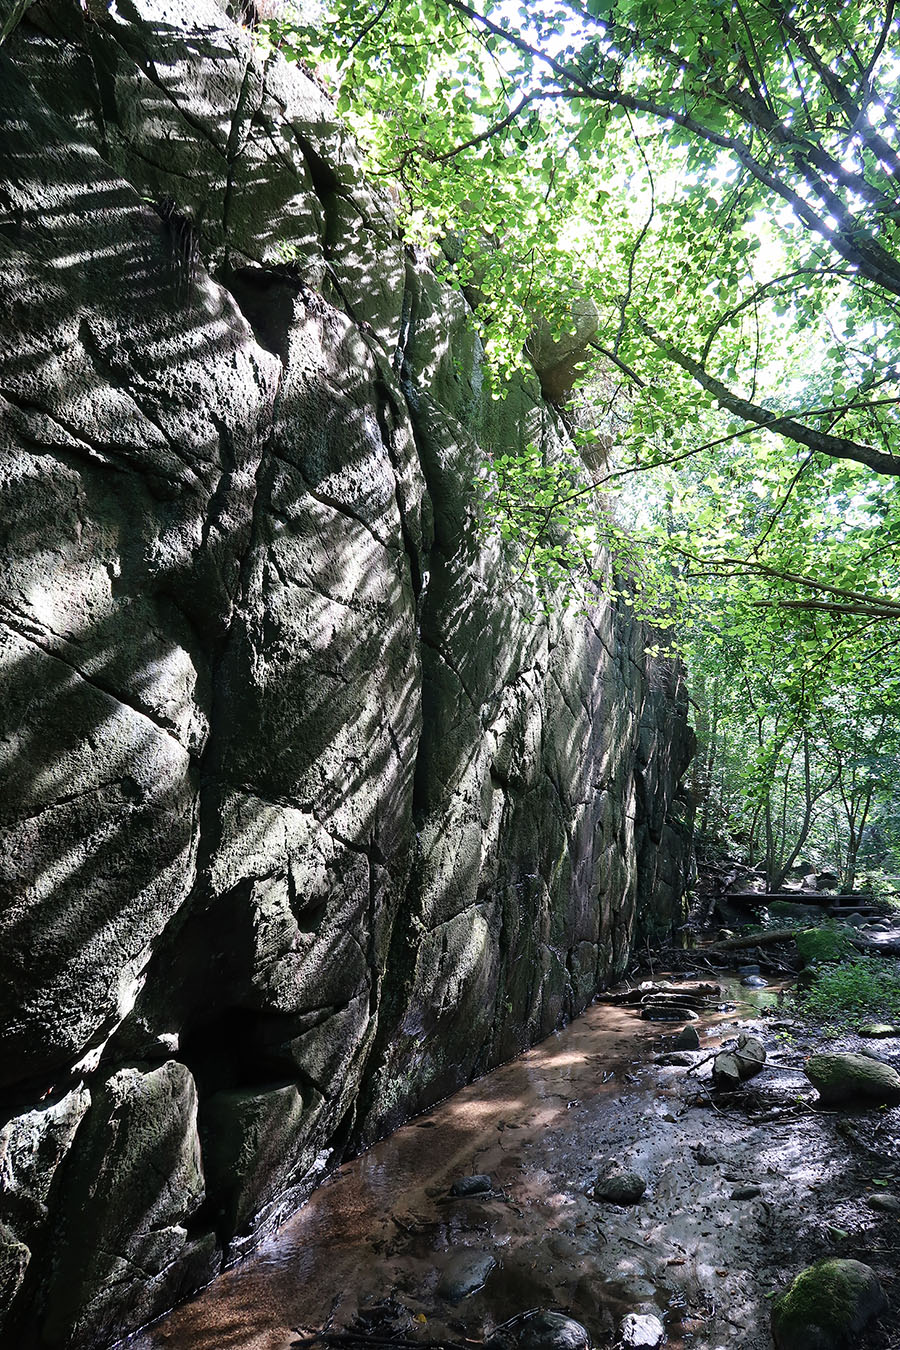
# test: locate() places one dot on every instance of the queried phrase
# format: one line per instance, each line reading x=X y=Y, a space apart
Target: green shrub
x=830 y=942
x=865 y=988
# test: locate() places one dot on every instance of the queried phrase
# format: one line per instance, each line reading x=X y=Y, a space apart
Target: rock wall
x=306 y=819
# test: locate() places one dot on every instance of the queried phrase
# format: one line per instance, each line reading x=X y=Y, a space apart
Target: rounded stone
x=641 y=1331
x=479 y=1184
x=853 y=1078
x=552 y=1331
x=619 y=1188
x=827 y=1306
x=465 y=1273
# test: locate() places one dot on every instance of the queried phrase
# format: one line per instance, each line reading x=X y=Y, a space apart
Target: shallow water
x=540 y=1126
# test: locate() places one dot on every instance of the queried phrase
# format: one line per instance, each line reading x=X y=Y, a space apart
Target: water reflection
x=382 y=1221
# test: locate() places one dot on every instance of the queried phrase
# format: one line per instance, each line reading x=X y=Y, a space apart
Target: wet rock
x=859 y=1078
x=704 y=1156
x=552 y=1331
x=827 y=1306
x=479 y=1184
x=749 y=1192
x=733 y=1067
x=619 y=1187
x=886 y=1203
x=674 y=1059
x=748 y=970
x=754 y=982
x=641 y=1330
x=687 y=1039
x=668 y=1012
x=464 y=1274
x=878 y=1031
x=856 y=920
x=547 y=1330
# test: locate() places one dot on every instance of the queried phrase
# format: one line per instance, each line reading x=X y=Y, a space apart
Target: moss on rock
x=826 y=1306
x=849 y=1078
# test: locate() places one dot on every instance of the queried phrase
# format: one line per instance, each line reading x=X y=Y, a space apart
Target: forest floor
x=743 y=1191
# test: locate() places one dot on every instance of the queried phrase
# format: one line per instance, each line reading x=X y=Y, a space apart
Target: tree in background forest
x=694 y=208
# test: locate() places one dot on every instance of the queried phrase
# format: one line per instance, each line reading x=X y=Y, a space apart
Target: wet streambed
x=541 y=1127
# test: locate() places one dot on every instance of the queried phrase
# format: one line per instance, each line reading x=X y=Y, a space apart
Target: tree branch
x=835 y=447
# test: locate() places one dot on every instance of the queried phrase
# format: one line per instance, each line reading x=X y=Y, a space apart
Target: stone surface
x=552 y=1331
x=464 y=1273
x=619 y=1187
x=733 y=1067
x=306 y=819
x=687 y=1039
x=827 y=1306
x=479 y=1184
x=886 y=1203
x=849 y=1078
x=641 y=1330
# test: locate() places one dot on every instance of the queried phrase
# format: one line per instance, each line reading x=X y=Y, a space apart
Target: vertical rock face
x=305 y=818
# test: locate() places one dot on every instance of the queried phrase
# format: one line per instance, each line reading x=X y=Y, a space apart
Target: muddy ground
x=703 y=1259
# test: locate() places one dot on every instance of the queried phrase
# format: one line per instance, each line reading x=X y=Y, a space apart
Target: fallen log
x=765 y=939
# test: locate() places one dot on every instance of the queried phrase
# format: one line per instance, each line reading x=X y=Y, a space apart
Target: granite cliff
x=306 y=819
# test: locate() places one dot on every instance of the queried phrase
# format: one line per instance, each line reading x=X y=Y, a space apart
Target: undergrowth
x=866 y=988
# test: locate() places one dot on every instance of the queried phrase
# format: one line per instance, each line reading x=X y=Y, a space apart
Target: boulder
x=733 y=1067
x=853 y=1078
x=827 y=1306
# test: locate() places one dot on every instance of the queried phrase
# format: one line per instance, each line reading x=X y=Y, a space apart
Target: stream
x=737 y=1200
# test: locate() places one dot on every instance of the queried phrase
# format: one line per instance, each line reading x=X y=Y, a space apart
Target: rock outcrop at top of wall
x=305 y=819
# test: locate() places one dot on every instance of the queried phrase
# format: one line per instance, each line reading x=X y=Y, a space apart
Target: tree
x=715 y=185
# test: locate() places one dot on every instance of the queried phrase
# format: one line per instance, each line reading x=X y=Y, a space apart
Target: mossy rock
x=619 y=1188
x=849 y=1078
x=827 y=1306
x=879 y=1031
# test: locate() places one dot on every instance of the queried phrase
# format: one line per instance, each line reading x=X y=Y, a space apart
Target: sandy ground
x=542 y=1127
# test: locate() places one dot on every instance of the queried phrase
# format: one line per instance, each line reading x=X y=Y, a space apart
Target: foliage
x=695 y=207
x=868 y=987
